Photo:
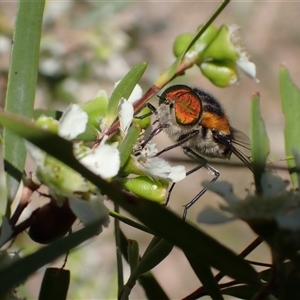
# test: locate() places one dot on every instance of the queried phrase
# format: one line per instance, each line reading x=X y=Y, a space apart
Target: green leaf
x=133 y=254
x=150 y=260
x=19 y=270
x=151 y=287
x=290 y=103
x=205 y=275
x=127 y=145
x=165 y=224
x=123 y=90
x=21 y=86
x=55 y=284
x=260 y=145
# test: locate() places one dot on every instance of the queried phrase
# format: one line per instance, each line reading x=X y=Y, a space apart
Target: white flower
x=90 y=211
x=243 y=61
x=73 y=122
x=157 y=167
x=126 y=112
x=135 y=95
x=104 y=160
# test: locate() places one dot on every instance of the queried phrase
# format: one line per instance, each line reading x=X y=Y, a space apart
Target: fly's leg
x=173 y=184
x=190 y=153
x=156 y=131
x=153 y=111
x=182 y=140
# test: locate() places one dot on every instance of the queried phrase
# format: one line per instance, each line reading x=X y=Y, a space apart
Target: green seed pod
x=221 y=48
x=62 y=179
x=146 y=187
x=181 y=43
x=145 y=122
x=221 y=74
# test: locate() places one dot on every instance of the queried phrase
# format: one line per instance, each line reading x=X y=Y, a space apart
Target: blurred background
x=88 y=46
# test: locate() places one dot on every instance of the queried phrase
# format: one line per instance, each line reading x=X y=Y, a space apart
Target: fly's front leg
x=156 y=131
x=152 y=111
x=203 y=163
x=180 y=142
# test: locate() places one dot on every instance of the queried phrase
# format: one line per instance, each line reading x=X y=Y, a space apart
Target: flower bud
x=181 y=43
x=144 y=123
x=47 y=123
x=62 y=179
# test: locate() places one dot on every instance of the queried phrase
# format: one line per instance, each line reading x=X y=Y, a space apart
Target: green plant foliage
x=98 y=150
x=55 y=284
x=290 y=103
x=21 y=87
x=260 y=145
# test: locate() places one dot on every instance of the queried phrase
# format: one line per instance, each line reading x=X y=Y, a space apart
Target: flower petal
x=248 y=67
x=73 y=122
x=136 y=94
x=222 y=188
x=159 y=168
x=210 y=215
x=103 y=161
x=89 y=212
x=126 y=112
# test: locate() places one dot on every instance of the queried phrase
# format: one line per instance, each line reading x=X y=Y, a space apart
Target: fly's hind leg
x=203 y=163
x=173 y=184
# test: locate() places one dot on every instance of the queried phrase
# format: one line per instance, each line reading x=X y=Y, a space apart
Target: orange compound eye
x=187 y=103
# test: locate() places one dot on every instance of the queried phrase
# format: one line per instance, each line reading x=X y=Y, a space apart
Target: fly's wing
x=238 y=140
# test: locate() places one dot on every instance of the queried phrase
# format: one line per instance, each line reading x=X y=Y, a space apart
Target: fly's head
x=179 y=111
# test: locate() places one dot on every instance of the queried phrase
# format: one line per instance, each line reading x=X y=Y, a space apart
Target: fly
x=196 y=121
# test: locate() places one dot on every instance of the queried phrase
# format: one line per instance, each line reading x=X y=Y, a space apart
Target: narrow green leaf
x=151 y=287
x=205 y=275
x=133 y=254
x=153 y=257
x=128 y=143
x=55 y=284
x=21 y=87
x=19 y=270
x=290 y=103
x=129 y=222
x=123 y=90
x=165 y=224
x=260 y=145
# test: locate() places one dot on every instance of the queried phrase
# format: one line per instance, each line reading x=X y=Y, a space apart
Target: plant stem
x=118 y=251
